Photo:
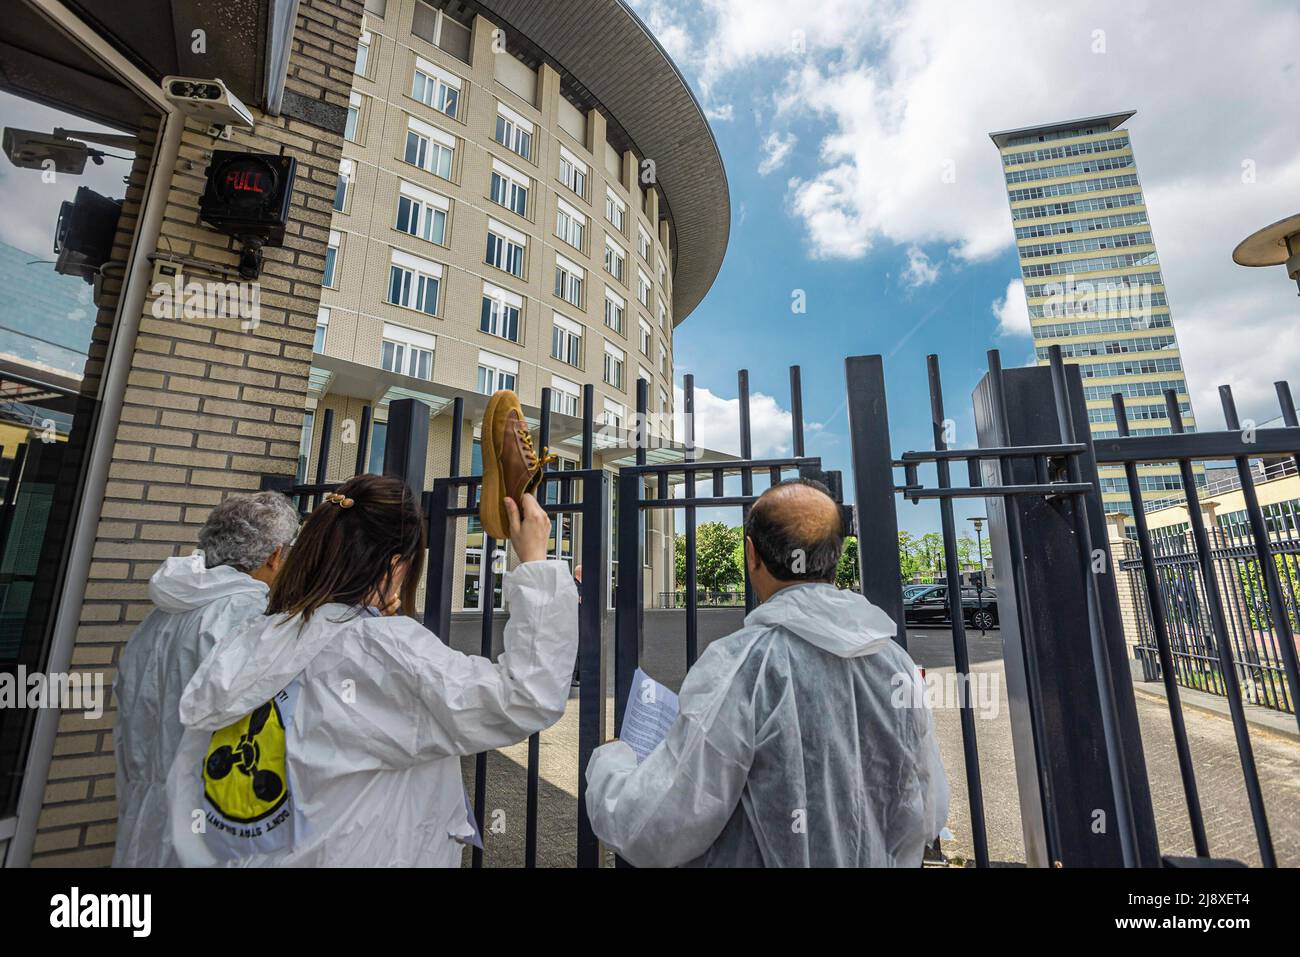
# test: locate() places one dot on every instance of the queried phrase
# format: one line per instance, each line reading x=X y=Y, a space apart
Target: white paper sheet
x=651 y=711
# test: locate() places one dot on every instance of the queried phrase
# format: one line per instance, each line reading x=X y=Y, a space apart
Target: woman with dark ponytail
x=329 y=732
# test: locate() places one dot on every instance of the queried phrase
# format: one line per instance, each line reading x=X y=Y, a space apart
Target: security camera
x=208 y=100
x=28 y=149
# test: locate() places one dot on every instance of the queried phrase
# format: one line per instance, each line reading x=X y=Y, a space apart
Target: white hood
x=251 y=664
x=184 y=584
x=838 y=620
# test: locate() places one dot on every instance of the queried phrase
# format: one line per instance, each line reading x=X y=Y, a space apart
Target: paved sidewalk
x=1226 y=812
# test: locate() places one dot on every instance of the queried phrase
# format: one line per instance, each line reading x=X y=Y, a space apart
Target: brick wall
x=210 y=407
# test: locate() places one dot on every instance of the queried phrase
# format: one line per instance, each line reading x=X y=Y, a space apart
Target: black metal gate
x=1077 y=744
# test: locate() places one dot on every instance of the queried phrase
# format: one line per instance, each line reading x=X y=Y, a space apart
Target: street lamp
x=978 y=522
x=1276 y=245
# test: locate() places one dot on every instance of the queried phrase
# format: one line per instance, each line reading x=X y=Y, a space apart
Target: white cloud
x=717 y=423
x=1012 y=310
x=720 y=113
x=900 y=96
x=920 y=271
x=775 y=150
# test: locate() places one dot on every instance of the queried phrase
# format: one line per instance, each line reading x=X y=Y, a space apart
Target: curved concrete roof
x=604 y=49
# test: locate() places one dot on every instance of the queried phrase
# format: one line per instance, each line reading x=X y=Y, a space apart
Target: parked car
x=929 y=604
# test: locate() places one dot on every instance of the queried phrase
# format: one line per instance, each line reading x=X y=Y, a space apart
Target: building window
x=505 y=249
x=566 y=341
x=570 y=225
x=363 y=55
x=406 y=360
x=341 y=186
x=414 y=283
x=509 y=189
x=322 y=328
x=429 y=148
x=304 y=446
x=565 y=396
x=436 y=88
x=378 y=442
x=646 y=337
x=613 y=366
x=496 y=373
x=612 y=416
x=422 y=214
x=573 y=173
x=568 y=281
x=663 y=358
x=643 y=288
x=663 y=272
x=615 y=260
x=615 y=306
x=331 y=259
x=500 y=313
x=352 y=125
x=514 y=132
x=615 y=210
x=643 y=243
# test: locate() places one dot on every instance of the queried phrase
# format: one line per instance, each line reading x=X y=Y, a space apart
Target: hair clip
x=342 y=501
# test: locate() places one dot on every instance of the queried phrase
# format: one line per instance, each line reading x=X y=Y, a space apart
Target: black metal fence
x=1078 y=748
x=1253 y=633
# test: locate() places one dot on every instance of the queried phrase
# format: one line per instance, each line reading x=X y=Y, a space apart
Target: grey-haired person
x=197 y=599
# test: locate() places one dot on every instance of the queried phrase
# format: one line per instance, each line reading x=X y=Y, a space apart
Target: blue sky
x=855 y=139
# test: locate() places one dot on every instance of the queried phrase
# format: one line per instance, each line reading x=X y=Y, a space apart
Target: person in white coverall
x=330 y=731
x=802 y=740
x=196 y=599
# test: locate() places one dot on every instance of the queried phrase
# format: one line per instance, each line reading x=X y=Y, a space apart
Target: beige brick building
x=459 y=224
x=499 y=224
x=164 y=416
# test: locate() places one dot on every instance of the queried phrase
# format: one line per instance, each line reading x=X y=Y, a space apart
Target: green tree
x=846 y=573
x=716 y=565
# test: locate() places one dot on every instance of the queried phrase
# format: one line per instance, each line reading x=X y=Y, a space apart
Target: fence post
x=873 y=488
x=407 y=445
x=1067 y=801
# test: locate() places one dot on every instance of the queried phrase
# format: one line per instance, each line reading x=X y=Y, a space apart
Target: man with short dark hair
x=803 y=740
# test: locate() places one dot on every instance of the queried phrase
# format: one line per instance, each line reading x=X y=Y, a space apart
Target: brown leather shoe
x=511 y=466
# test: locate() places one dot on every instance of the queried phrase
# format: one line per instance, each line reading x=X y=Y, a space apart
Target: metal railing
x=1176 y=599
x=1253 y=634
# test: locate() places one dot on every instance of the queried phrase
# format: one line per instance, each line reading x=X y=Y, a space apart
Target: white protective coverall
x=338 y=741
x=803 y=740
x=194 y=606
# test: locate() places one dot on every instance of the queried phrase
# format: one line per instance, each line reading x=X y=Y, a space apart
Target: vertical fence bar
x=592 y=682
x=1263 y=553
x=796 y=411
x=407 y=445
x=1110 y=722
x=487 y=607
x=873 y=487
x=363 y=442
x=323 y=453
x=692 y=569
x=1289 y=419
x=629 y=609
x=1159 y=627
x=535 y=739
x=746 y=473
x=1226 y=666
x=961 y=656
x=439 y=577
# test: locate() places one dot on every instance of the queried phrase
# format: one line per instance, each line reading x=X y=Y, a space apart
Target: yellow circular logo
x=244 y=774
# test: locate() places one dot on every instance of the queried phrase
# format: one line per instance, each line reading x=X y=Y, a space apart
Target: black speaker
x=83 y=235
